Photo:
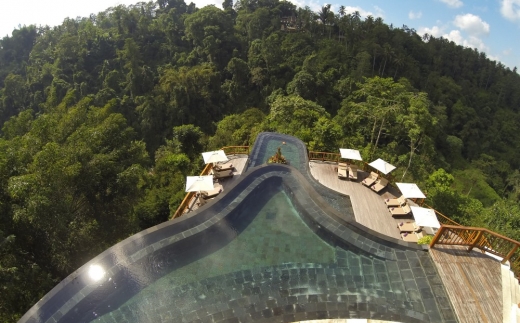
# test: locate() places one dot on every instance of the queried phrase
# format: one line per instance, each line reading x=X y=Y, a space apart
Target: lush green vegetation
x=103 y=117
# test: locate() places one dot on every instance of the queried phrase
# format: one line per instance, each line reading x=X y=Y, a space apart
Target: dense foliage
x=103 y=117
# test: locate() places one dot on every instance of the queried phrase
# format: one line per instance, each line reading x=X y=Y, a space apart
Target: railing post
x=437 y=236
x=510 y=254
x=475 y=241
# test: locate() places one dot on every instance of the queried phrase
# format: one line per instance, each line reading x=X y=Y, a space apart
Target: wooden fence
x=483 y=239
x=236 y=150
x=324 y=156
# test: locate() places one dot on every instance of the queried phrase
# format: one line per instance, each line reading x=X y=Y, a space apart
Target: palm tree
x=369 y=23
x=375 y=50
x=388 y=52
x=323 y=14
x=341 y=11
x=398 y=62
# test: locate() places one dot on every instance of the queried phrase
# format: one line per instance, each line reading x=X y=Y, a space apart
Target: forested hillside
x=103 y=117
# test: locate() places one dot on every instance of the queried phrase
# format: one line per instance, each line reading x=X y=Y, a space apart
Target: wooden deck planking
x=473 y=282
x=369 y=207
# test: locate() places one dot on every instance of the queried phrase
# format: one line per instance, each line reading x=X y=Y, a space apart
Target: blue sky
x=491 y=26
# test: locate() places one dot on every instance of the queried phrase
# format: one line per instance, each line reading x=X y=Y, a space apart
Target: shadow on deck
x=369 y=207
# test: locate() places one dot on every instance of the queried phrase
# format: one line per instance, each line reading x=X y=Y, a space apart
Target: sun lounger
x=214 y=192
x=201 y=201
x=352 y=172
x=400 y=210
x=342 y=164
x=395 y=202
x=411 y=237
x=370 y=180
x=222 y=174
x=408 y=227
x=223 y=167
x=342 y=172
x=379 y=184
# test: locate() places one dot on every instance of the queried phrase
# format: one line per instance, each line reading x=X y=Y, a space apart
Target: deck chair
x=408 y=227
x=352 y=172
x=223 y=167
x=395 y=202
x=342 y=171
x=370 y=180
x=342 y=164
x=400 y=210
x=214 y=192
x=411 y=237
x=222 y=174
x=201 y=201
x=379 y=185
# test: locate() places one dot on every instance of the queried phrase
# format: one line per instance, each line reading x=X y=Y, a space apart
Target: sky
x=491 y=26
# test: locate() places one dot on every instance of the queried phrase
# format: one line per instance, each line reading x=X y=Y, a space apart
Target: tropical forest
x=103 y=117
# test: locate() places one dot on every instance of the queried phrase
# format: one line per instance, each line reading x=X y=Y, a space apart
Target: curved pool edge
x=342 y=213
x=76 y=286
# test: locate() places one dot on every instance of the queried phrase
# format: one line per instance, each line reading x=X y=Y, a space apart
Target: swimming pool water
x=275 y=236
x=289 y=151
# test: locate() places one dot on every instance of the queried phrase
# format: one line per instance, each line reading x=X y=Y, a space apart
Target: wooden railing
x=483 y=239
x=323 y=156
x=185 y=204
x=236 y=150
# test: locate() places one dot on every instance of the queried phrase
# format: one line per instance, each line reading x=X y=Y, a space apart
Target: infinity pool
x=276 y=247
x=275 y=235
x=272 y=265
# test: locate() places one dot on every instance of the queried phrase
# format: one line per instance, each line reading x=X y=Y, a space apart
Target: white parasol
x=425 y=217
x=214 y=156
x=199 y=183
x=410 y=191
x=382 y=166
x=350 y=154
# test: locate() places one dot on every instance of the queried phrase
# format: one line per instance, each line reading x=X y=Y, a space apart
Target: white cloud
x=471 y=41
x=435 y=31
x=414 y=15
x=472 y=24
x=456 y=36
x=50 y=12
x=475 y=42
x=461 y=38
x=365 y=13
x=494 y=58
x=379 y=12
x=507 y=52
x=510 y=9
x=453 y=3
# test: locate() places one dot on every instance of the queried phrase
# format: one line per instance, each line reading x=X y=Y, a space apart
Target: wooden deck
x=239 y=164
x=369 y=207
x=473 y=282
